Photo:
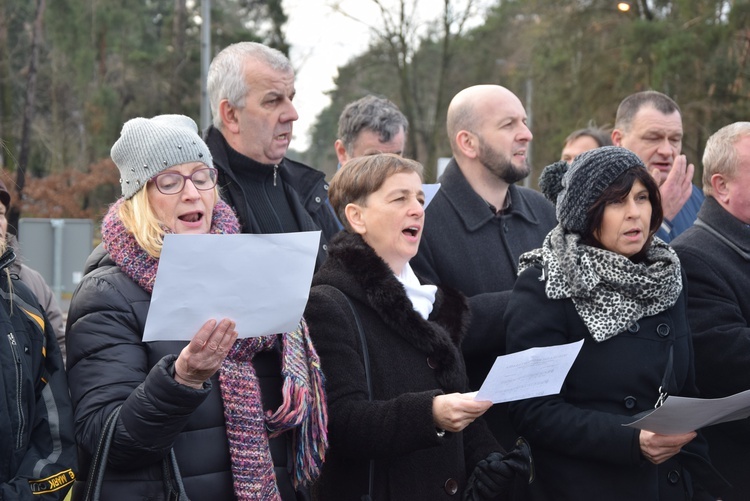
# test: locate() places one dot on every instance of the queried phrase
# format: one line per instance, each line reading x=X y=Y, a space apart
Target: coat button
x=634 y=327
x=317 y=199
x=630 y=402
x=451 y=487
x=673 y=476
x=431 y=363
x=662 y=330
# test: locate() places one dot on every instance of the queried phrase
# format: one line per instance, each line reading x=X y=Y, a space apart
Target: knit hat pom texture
x=590 y=174
x=147 y=146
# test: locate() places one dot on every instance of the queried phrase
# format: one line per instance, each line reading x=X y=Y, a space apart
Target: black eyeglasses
x=172 y=183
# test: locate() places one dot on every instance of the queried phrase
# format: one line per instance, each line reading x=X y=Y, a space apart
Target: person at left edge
x=32 y=278
x=37 y=444
x=251 y=88
x=213 y=400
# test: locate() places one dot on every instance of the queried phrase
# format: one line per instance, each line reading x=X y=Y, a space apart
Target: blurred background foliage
x=72 y=71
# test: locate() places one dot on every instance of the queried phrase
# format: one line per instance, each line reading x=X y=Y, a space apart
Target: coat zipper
x=19 y=389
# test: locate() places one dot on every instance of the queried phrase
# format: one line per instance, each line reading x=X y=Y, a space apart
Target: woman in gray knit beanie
x=188 y=417
x=602 y=277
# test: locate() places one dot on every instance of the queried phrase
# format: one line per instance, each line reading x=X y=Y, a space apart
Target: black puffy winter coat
x=108 y=365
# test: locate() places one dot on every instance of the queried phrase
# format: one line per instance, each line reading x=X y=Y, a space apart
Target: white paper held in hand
x=262 y=282
x=530 y=373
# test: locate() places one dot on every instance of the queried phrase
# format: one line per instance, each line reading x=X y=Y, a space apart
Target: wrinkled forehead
x=260 y=76
x=649 y=119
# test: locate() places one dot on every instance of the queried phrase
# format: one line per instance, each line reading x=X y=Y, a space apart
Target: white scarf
x=422 y=296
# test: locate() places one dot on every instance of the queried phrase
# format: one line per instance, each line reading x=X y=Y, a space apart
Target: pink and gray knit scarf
x=303 y=411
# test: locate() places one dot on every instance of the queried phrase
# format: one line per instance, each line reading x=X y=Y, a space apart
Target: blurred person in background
x=649 y=124
x=582 y=140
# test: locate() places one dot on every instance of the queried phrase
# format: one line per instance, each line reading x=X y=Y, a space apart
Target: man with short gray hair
x=370 y=125
x=715 y=253
x=251 y=88
x=649 y=124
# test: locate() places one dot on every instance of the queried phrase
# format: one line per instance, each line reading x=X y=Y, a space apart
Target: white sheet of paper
x=262 y=282
x=429 y=192
x=530 y=373
x=683 y=414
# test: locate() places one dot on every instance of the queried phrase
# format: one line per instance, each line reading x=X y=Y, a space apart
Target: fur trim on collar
x=439 y=337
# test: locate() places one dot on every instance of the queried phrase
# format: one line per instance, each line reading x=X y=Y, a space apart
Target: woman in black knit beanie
x=603 y=277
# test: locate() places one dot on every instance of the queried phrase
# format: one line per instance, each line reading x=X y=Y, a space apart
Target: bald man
x=480 y=222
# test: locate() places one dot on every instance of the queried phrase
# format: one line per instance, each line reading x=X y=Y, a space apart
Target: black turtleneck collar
x=264 y=192
x=246 y=166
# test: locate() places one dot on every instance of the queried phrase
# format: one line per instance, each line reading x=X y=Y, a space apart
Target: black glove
x=494 y=476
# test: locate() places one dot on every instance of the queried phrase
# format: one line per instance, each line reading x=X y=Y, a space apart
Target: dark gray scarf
x=610 y=292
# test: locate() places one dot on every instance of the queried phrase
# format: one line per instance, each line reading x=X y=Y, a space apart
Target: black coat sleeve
x=108 y=365
x=46 y=456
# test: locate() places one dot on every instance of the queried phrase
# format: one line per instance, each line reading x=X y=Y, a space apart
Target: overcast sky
x=322 y=40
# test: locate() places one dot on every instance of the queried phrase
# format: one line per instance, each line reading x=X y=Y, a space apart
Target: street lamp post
x=205 y=61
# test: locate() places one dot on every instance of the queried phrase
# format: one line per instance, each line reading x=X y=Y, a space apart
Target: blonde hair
x=138 y=217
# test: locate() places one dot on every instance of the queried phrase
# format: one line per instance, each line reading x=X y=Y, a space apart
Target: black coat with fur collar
x=411 y=361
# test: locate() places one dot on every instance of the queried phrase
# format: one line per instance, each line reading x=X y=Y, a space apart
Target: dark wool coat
x=108 y=365
x=718 y=270
x=466 y=247
x=411 y=361
x=581 y=450
x=307 y=193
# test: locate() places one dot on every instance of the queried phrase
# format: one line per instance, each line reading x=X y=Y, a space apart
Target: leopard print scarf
x=610 y=292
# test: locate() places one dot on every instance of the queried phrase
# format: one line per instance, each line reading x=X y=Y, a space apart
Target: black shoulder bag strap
x=366 y=360
x=174 y=490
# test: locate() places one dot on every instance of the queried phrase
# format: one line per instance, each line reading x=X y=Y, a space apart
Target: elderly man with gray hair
x=251 y=88
x=715 y=253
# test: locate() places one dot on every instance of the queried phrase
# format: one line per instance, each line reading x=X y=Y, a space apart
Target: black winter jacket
x=466 y=247
x=307 y=191
x=108 y=365
x=37 y=445
x=715 y=253
x=581 y=450
x=411 y=361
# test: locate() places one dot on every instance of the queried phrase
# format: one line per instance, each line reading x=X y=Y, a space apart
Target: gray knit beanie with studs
x=148 y=146
x=586 y=179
